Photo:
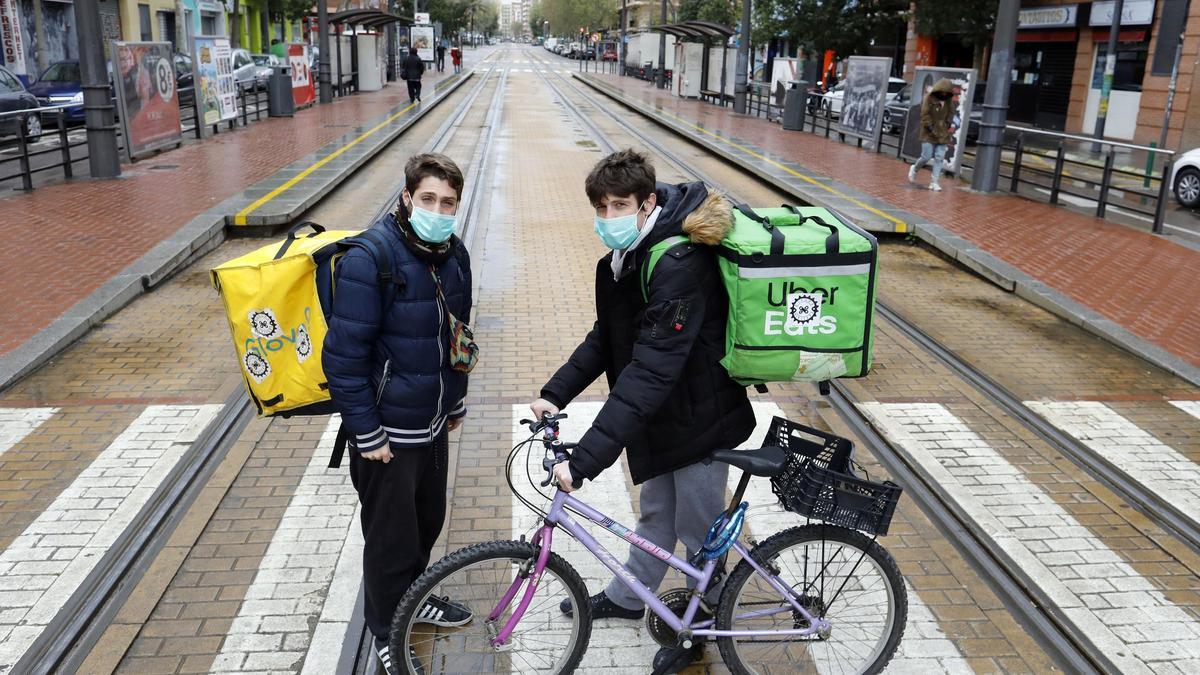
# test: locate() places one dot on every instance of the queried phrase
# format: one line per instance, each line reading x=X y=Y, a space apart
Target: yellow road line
x=240 y=218
x=901 y=226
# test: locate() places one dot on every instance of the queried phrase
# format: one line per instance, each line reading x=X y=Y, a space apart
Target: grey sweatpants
x=678 y=506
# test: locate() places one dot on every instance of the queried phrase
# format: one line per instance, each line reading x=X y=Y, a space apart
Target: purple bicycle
x=818 y=598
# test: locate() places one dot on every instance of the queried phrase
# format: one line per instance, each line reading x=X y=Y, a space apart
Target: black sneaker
x=444 y=612
x=385 y=658
x=670 y=660
x=603 y=608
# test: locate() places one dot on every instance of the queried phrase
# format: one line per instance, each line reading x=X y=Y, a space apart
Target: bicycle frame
x=559 y=516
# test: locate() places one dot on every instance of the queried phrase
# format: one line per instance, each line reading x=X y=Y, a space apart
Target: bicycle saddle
x=766 y=461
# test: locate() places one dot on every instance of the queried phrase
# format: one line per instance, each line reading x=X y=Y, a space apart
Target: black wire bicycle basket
x=818 y=481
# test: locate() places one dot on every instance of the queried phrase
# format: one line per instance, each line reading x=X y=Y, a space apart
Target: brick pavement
x=1133 y=278
x=72 y=237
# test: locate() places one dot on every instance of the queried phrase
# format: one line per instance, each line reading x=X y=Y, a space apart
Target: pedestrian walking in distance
x=441 y=56
x=938 y=112
x=456 y=59
x=390 y=360
x=411 y=72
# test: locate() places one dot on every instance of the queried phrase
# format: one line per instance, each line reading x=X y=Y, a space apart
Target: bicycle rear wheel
x=835 y=573
x=545 y=640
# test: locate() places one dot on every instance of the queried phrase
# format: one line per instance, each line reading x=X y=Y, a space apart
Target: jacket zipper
x=387 y=367
x=441 y=359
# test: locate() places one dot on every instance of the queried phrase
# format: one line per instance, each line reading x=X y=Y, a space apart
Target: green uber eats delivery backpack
x=801 y=284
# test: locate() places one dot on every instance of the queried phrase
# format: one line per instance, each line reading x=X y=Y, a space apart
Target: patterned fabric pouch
x=464 y=353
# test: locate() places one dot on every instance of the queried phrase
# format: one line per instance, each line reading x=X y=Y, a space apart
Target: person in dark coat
x=411 y=71
x=399 y=396
x=441 y=56
x=939 y=111
x=671 y=403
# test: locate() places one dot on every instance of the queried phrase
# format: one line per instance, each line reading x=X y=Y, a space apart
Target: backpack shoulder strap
x=390 y=282
x=654 y=255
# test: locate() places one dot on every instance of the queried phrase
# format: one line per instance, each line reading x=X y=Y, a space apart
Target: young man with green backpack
x=659 y=342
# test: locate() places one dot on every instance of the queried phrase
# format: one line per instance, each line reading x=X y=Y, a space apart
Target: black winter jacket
x=388 y=369
x=671 y=403
x=413 y=68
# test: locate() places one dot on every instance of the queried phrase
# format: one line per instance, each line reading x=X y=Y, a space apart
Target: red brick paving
x=66 y=240
x=1146 y=284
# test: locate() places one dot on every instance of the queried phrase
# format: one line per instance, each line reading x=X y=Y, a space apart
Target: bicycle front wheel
x=546 y=640
x=834 y=573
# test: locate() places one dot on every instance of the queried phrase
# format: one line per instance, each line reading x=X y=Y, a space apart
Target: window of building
x=144 y=20
x=1131 y=66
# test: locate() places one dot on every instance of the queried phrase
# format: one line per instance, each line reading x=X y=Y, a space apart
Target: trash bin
x=794 y=105
x=279 y=93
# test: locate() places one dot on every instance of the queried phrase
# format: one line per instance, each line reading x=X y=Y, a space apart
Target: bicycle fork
x=529 y=578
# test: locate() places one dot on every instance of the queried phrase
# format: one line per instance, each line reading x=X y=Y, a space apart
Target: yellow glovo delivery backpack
x=278 y=300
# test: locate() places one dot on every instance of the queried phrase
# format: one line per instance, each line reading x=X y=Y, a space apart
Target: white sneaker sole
x=446 y=624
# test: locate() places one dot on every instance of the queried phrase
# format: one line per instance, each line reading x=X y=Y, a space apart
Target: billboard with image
x=303 y=91
x=864 y=96
x=422 y=38
x=216 y=87
x=144 y=76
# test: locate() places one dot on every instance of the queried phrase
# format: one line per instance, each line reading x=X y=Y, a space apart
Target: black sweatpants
x=414 y=89
x=403 y=509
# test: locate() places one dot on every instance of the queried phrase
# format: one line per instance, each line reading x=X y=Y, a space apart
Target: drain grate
x=164 y=167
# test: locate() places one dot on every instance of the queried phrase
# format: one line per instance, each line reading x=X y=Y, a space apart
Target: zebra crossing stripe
x=925 y=649
x=1128 y=447
x=17 y=423
x=47 y=562
x=1124 y=615
x=1190 y=407
x=614 y=642
x=293 y=582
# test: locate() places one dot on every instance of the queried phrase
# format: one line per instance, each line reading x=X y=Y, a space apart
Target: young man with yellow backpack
x=396 y=358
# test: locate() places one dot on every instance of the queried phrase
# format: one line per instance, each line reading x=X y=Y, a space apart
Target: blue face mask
x=434 y=228
x=618 y=233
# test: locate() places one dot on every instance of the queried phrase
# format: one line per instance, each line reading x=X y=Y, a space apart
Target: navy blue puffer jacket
x=388 y=369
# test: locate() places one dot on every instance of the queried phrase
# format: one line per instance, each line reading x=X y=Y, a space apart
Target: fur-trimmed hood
x=691 y=209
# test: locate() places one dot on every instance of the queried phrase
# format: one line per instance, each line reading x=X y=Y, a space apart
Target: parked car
x=248 y=74
x=1185 y=178
x=832 y=101
x=60 y=84
x=610 y=54
x=589 y=54
x=14 y=98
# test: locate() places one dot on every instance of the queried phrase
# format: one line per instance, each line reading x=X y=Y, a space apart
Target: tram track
x=76 y=629
x=1067 y=644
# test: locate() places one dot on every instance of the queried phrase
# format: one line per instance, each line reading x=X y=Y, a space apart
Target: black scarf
x=435 y=254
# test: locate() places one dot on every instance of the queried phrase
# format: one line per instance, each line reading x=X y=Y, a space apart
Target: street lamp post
x=323 y=58
x=741 y=83
x=1110 y=67
x=97 y=104
x=624 y=23
x=995 y=102
x=661 y=77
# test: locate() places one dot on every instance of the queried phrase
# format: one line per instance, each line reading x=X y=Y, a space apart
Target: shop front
x=1044 y=66
x=1125 y=99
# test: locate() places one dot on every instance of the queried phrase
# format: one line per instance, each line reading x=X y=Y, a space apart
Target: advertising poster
x=422 y=39
x=303 y=92
x=964 y=80
x=10 y=37
x=146 y=95
x=216 y=87
x=865 y=96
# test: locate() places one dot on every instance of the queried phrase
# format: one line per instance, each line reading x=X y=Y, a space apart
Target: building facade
x=1059 y=66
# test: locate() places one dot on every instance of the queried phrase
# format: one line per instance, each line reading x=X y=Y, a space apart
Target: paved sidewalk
x=1143 y=283
x=68 y=240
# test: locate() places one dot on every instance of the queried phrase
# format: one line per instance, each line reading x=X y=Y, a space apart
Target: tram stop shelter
x=347 y=27
x=704 y=32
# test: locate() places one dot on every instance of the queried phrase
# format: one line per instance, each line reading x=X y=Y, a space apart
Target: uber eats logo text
x=800 y=310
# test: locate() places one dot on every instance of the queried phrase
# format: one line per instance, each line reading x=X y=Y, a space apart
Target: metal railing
x=1042 y=164
x=69 y=146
